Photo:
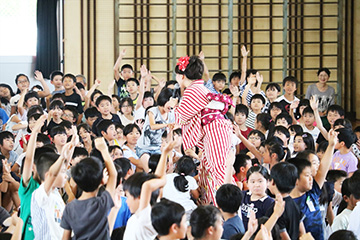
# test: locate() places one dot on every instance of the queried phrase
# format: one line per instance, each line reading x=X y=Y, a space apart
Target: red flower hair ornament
x=183 y=62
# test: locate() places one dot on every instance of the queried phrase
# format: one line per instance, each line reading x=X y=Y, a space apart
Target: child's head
x=272 y=91
x=241 y=114
x=22 y=82
x=32 y=120
x=304 y=181
x=311 y=156
x=94 y=96
x=194 y=70
x=346 y=194
x=132 y=133
x=321 y=149
x=335 y=112
x=6 y=91
x=148 y=100
x=256 y=137
x=304 y=103
x=295 y=129
x=303 y=141
x=58 y=136
x=153 y=162
x=177 y=134
x=88 y=174
x=43 y=164
x=229 y=198
x=69 y=81
x=251 y=74
x=262 y=121
x=125 y=165
x=242 y=164
x=132 y=85
x=274 y=151
x=68 y=127
x=168 y=219
x=342 y=123
x=343 y=235
x=6 y=141
x=257 y=102
x=81 y=79
x=132 y=187
x=115 y=102
x=290 y=84
x=234 y=78
x=219 y=80
x=206 y=223
x=185 y=166
x=119 y=131
x=346 y=138
x=308 y=116
x=283 y=175
x=354 y=183
x=79 y=154
x=127 y=71
x=283 y=119
x=282 y=133
x=57 y=108
x=84 y=132
x=164 y=98
x=31 y=99
x=107 y=129
x=126 y=106
x=91 y=114
x=337 y=177
x=42 y=139
x=257 y=180
x=103 y=104
x=56 y=79
x=275 y=109
x=70 y=114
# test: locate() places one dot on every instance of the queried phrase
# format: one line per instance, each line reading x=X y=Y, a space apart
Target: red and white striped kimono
x=214 y=138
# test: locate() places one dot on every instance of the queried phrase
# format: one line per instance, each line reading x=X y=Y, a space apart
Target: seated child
x=55 y=114
x=217 y=83
x=256 y=105
x=206 y=223
x=272 y=92
x=241 y=114
x=283 y=119
x=308 y=125
x=341 y=221
x=91 y=114
x=289 y=86
x=132 y=86
x=241 y=165
x=354 y=223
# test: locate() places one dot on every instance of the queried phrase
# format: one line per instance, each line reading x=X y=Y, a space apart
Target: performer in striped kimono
x=201 y=116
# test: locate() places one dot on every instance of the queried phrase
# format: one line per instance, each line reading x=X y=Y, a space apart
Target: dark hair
x=264 y=119
x=219 y=77
x=92 y=96
x=343 y=122
x=296 y=128
x=343 y=235
x=300 y=164
x=229 y=198
x=134 y=183
x=275 y=147
x=56 y=103
x=79 y=85
x=55 y=73
x=8 y=87
x=308 y=110
x=177 y=131
x=290 y=79
x=57 y=130
x=69 y=75
x=103 y=126
x=276 y=105
x=73 y=110
x=354 y=182
x=283 y=130
x=308 y=140
x=357 y=129
x=273 y=86
x=34 y=116
x=117 y=97
x=306 y=154
x=129 y=128
x=347 y=136
x=258 y=96
x=336 y=108
x=345 y=189
x=284 y=175
x=43 y=138
x=250 y=71
x=303 y=102
x=44 y=162
x=260 y=134
x=326 y=70
x=102 y=98
x=80 y=151
x=275 y=231
x=4 y=135
x=195 y=69
x=233 y=75
x=168 y=83
x=57 y=96
x=34 y=109
x=242 y=108
x=322 y=146
x=88 y=174
x=91 y=112
x=31 y=94
x=66 y=124
x=153 y=162
x=240 y=161
x=185 y=166
x=84 y=126
x=125 y=165
x=21 y=75
x=164 y=214
x=127 y=66
x=334 y=175
x=258 y=169
x=202 y=218
x=285 y=116
x=133 y=80
x=126 y=100
x=164 y=97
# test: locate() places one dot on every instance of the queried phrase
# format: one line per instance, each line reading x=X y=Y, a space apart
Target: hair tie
x=182 y=174
x=255 y=165
x=183 y=62
x=304 y=135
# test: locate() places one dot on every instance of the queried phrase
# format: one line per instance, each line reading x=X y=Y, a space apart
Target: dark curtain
x=47 y=51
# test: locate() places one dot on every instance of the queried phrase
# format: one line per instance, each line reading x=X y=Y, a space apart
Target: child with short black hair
x=115 y=152
x=283 y=119
x=70 y=114
x=132 y=86
x=272 y=92
x=169 y=220
x=58 y=137
x=241 y=165
x=7 y=146
x=206 y=223
x=85 y=217
x=107 y=130
x=125 y=73
x=344 y=159
x=228 y=199
x=262 y=123
x=308 y=125
x=54 y=117
x=91 y=114
x=275 y=108
x=56 y=80
x=289 y=86
x=341 y=221
x=71 y=97
x=256 y=105
x=217 y=83
x=241 y=114
x=354 y=222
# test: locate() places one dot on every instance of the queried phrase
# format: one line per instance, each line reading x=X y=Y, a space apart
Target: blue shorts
x=140 y=151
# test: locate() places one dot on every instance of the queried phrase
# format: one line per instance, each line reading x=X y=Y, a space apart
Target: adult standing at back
x=322 y=91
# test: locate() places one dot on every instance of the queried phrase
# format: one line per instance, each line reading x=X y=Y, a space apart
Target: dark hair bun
x=194 y=69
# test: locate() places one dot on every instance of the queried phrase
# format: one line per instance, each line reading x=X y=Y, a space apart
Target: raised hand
x=314 y=103
x=253 y=223
x=294 y=104
x=259 y=78
x=332 y=137
x=234 y=90
x=169 y=147
x=100 y=144
x=122 y=52
x=279 y=205
x=38 y=75
x=143 y=71
x=97 y=82
x=244 y=53
x=201 y=56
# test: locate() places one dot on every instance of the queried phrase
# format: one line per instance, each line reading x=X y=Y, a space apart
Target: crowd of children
x=196 y=161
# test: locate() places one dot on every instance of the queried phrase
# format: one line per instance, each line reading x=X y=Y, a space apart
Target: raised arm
x=278 y=211
x=118 y=63
x=236 y=94
x=327 y=159
x=244 y=53
x=314 y=103
x=21 y=101
x=147 y=188
x=29 y=157
x=293 y=106
x=206 y=70
x=161 y=167
x=144 y=74
x=100 y=144
x=46 y=92
x=90 y=92
x=246 y=91
x=229 y=166
x=247 y=143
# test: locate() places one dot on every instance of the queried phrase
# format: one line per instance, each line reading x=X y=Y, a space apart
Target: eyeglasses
x=126 y=106
x=23 y=81
x=254 y=138
x=68 y=115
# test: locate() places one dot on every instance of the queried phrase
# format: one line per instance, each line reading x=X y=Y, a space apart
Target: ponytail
x=184 y=167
